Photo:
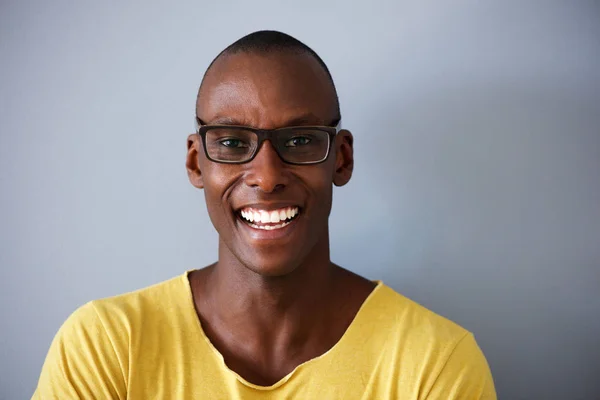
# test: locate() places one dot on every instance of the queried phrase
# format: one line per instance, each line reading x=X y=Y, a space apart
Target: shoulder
x=124 y=310
x=152 y=301
x=441 y=355
x=90 y=354
x=409 y=319
x=404 y=329
x=82 y=361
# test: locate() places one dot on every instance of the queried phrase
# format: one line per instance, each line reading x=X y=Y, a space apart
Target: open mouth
x=268 y=219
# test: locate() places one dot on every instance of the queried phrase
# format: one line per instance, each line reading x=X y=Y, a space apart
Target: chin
x=269 y=266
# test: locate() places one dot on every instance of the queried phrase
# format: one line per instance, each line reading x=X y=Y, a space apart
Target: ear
x=344 y=157
x=192 y=161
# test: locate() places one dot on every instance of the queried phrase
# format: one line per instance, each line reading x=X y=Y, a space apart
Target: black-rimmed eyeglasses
x=299 y=145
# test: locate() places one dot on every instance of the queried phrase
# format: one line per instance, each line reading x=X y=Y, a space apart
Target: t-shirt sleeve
x=466 y=374
x=82 y=362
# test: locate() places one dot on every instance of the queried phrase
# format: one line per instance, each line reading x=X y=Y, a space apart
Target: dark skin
x=269 y=305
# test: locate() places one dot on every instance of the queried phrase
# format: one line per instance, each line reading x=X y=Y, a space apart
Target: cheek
x=320 y=183
x=216 y=185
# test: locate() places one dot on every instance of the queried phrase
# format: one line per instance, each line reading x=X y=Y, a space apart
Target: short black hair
x=267 y=41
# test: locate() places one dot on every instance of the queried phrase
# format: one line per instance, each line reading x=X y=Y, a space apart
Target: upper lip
x=267 y=206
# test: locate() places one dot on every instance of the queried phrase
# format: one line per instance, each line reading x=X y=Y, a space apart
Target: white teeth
x=265 y=218
x=270 y=227
x=274 y=217
x=269 y=217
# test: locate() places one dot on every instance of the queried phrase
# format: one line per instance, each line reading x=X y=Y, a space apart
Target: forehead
x=266 y=90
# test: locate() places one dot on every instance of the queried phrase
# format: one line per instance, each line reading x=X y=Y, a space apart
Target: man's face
x=269 y=91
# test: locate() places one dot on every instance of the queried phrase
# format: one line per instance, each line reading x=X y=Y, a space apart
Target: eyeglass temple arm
x=338 y=126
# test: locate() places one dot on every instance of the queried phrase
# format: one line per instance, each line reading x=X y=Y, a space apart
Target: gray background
x=476 y=193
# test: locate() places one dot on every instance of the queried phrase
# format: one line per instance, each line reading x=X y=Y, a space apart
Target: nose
x=267 y=171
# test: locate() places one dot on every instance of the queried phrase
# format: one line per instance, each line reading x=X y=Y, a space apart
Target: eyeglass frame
x=267 y=134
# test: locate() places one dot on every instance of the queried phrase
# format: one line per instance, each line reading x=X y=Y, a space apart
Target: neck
x=271 y=305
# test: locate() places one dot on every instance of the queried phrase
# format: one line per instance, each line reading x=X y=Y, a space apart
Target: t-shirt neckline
x=346 y=337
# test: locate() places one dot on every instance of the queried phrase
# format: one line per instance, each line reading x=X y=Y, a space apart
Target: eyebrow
x=304 y=119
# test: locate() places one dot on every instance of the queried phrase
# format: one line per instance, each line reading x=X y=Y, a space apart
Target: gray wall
x=476 y=193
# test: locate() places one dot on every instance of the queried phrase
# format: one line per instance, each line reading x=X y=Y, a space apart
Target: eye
x=297 y=141
x=233 y=143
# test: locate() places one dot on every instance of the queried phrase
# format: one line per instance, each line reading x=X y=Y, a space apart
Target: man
x=273 y=318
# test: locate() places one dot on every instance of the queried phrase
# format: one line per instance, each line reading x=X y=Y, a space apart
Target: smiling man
x=273 y=318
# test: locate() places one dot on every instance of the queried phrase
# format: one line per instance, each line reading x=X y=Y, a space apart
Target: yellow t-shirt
x=149 y=344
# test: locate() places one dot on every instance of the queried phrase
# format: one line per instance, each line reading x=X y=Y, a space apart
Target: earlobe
x=344 y=160
x=192 y=163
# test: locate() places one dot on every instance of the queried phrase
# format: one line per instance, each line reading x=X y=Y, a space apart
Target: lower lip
x=263 y=234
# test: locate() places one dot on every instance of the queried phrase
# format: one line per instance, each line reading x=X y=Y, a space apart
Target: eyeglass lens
x=295 y=145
